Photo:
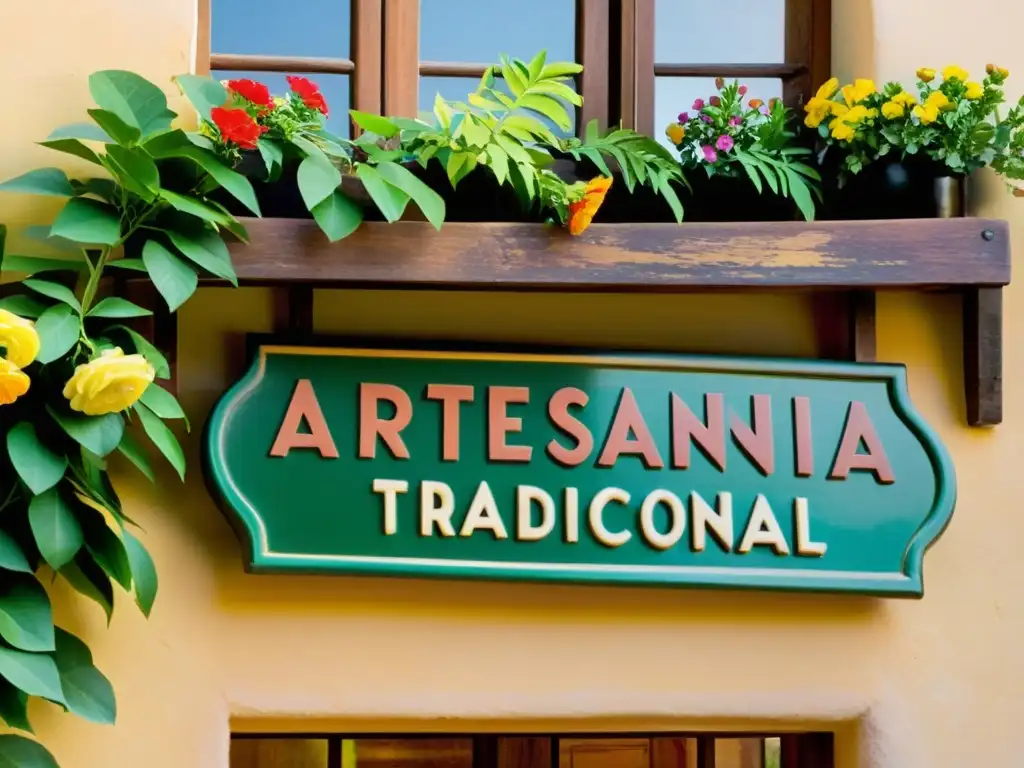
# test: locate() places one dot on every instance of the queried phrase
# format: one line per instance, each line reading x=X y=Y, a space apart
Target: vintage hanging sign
x=644 y=469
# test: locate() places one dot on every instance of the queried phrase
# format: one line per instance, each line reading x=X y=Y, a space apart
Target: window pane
x=278 y=753
x=673 y=95
x=407 y=753
x=458 y=88
x=479 y=30
x=773 y=752
x=734 y=31
x=739 y=753
x=278 y=28
x=335 y=89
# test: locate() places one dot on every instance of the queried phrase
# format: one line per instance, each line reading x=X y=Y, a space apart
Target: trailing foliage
x=77 y=383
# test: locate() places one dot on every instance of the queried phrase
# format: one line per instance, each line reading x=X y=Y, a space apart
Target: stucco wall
x=906 y=684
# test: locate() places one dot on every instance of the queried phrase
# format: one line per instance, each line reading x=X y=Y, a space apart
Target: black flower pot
x=914 y=187
x=722 y=198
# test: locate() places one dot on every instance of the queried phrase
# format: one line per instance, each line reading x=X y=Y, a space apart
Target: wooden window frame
x=403 y=68
x=364 y=68
x=808 y=57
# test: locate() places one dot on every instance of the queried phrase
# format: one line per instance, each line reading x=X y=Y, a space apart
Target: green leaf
x=204 y=248
x=54 y=291
x=143 y=573
x=748 y=166
x=163 y=404
x=561 y=90
x=120 y=131
x=374 y=123
x=72 y=147
x=135 y=265
x=34 y=673
x=173 y=278
x=800 y=195
x=82 y=131
x=105 y=545
x=11 y=556
x=24 y=306
x=100 y=434
x=195 y=208
x=549 y=107
x=498 y=162
x=135 y=169
x=19 y=752
x=134 y=453
x=58 y=328
x=132 y=98
x=55 y=528
x=14 y=706
x=87 y=692
x=105 y=189
x=560 y=69
x=272 y=154
x=42 y=181
x=26 y=621
x=665 y=187
x=442 y=113
x=390 y=199
x=536 y=65
x=512 y=77
x=231 y=181
x=152 y=354
x=117 y=307
x=37 y=466
x=428 y=201
x=203 y=92
x=338 y=216
x=88 y=579
x=162 y=438
x=87 y=221
x=317 y=178
x=32 y=265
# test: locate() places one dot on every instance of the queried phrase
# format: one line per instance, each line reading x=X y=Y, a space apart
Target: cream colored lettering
x=804 y=545
x=763 y=529
x=526 y=495
x=597 y=526
x=437 y=504
x=390 y=489
x=572 y=515
x=718 y=521
x=677 y=516
x=483 y=514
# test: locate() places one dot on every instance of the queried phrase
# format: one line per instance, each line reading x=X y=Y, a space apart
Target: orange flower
x=581 y=212
x=756 y=103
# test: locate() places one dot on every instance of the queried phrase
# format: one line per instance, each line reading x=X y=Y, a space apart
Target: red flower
x=236 y=125
x=309 y=92
x=253 y=92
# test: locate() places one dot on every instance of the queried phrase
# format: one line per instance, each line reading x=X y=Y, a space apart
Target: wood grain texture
x=454 y=69
x=643 y=51
x=632 y=257
x=627 y=63
x=729 y=70
x=863 y=337
x=983 y=355
x=202 y=63
x=307 y=65
x=592 y=48
x=401 y=57
x=367 y=47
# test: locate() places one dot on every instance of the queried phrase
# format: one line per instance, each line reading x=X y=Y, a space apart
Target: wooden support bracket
x=983 y=355
x=293 y=309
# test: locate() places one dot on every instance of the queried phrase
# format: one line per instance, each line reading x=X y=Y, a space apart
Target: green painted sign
x=643 y=469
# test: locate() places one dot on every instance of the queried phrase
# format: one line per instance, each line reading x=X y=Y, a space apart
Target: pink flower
x=709 y=153
x=684 y=117
x=743 y=90
x=715 y=101
x=707 y=119
x=698 y=105
x=724 y=143
x=736 y=120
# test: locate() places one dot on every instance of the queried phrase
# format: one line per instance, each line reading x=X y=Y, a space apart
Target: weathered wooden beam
x=632 y=257
x=863 y=338
x=983 y=355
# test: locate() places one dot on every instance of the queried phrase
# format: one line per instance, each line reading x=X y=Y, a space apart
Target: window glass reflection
x=278 y=28
x=735 y=31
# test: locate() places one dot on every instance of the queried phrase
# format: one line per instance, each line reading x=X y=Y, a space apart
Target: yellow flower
x=110 y=383
x=828 y=89
x=926 y=75
x=1003 y=72
x=954 y=72
x=892 y=110
x=974 y=90
x=860 y=89
x=926 y=113
x=19 y=336
x=844 y=126
x=904 y=98
x=817 y=110
x=939 y=100
x=581 y=212
x=13 y=382
x=676 y=133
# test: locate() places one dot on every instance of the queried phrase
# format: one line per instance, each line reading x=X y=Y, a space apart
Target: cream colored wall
x=906 y=684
